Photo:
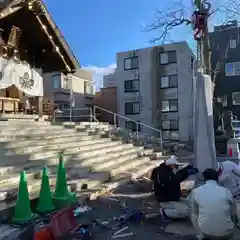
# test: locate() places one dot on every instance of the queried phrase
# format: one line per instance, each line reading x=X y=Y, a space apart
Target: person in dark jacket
x=167 y=180
x=166 y=184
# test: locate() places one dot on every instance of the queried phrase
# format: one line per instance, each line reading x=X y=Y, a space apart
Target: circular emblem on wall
x=26 y=82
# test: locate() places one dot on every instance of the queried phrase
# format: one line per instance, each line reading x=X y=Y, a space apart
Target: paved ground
x=133 y=195
x=137 y=195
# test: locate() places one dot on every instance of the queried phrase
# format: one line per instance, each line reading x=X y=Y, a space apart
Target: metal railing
x=138 y=124
x=74 y=115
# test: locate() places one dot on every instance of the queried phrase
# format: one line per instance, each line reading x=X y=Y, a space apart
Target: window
x=133 y=126
x=89 y=88
x=232 y=69
x=132 y=108
x=168 y=57
x=233 y=43
x=131 y=85
x=170 y=105
x=169 y=93
x=130 y=63
x=67 y=83
x=56 y=81
x=236 y=98
x=171 y=135
x=169 y=81
x=170 y=125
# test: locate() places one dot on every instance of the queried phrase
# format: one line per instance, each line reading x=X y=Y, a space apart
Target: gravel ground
x=133 y=195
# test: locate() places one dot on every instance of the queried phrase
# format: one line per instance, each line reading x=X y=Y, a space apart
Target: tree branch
x=166 y=20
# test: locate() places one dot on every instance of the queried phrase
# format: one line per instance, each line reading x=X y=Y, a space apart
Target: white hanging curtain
x=6 y=73
x=28 y=80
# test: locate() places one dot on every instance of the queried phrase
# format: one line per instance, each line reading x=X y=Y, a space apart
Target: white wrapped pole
x=204 y=142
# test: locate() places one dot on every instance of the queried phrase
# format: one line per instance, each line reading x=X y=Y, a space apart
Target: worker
x=213 y=209
x=166 y=186
x=229 y=177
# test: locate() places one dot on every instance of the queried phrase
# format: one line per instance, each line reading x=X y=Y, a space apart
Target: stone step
x=12 y=179
x=37 y=152
x=48 y=146
x=51 y=156
x=104 y=150
x=10 y=190
x=107 y=157
x=34 y=131
x=130 y=165
x=16 y=168
x=104 y=164
x=125 y=177
x=115 y=163
x=51 y=141
x=93 y=123
x=92 y=180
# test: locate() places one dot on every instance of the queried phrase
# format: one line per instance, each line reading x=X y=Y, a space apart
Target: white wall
x=144 y=95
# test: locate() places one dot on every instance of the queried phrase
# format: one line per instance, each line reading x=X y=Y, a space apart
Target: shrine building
x=30 y=45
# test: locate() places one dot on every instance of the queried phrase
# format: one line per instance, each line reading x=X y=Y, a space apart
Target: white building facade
x=155 y=88
x=109 y=80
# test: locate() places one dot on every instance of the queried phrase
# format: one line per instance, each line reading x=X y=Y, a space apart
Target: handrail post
x=115 y=120
x=161 y=139
x=94 y=111
x=137 y=130
x=91 y=116
x=54 y=115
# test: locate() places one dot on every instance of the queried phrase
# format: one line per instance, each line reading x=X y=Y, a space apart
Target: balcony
x=61 y=84
x=89 y=90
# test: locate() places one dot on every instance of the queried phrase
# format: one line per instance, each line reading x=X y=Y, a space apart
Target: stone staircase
x=97 y=156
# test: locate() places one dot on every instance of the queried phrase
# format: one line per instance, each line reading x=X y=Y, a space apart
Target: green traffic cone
x=62 y=197
x=45 y=203
x=22 y=211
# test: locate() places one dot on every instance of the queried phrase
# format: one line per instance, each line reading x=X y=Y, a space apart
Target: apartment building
x=109 y=81
x=155 y=88
x=58 y=87
x=225 y=45
x=106 y=98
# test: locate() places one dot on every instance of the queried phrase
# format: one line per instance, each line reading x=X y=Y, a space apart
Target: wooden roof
x=13 y=10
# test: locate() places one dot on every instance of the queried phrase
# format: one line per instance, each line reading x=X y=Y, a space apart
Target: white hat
x=172 y=161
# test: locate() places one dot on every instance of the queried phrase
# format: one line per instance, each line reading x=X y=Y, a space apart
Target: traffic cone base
x=45 y=203
x=61 y=202
x=22 y=211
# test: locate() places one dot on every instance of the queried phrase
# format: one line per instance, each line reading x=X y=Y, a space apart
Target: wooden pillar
x=40 y=105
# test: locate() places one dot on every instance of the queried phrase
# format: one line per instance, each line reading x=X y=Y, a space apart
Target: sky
x=96 y=30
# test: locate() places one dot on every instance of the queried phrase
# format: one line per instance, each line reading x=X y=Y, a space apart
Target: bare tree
x=178 y=14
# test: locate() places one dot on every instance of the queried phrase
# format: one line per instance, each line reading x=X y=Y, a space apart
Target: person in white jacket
x=213 y=209
x=229 y=177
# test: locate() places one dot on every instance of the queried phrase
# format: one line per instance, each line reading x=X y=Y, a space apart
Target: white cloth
x=176 y=210
x=6 y=72
x=230 y=176
x=211 y=209
x=172 y=161
x=28 y=80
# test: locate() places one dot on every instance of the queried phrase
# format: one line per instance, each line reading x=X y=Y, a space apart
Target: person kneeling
x=213 y=209
x=167 y=189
